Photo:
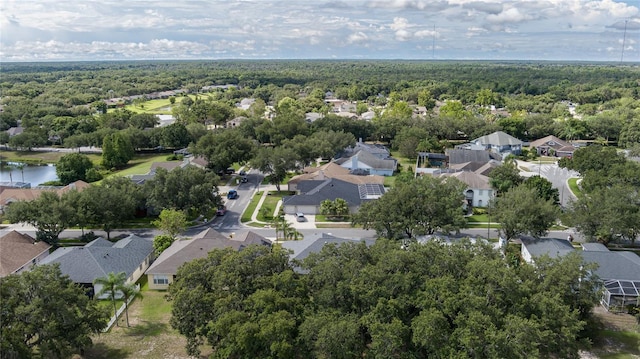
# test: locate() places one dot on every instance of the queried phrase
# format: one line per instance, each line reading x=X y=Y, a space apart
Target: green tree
x=171 y=222
x=109 y=204
x=544 y=188
x=73 y=167
x=50 y=214
x=520 y=210
x=275 y=162
x=337 y=208
x=224 y=147
x=117 y=150
x=607 y=213
x=630 y=134
x=189 y=189
x=162 y=242
x=46 y=315
x=111 y=285
x=423 y=205
x=257 y=280
x=505 y=177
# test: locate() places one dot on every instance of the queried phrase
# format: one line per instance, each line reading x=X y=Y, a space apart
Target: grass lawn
x=34 y=157
x=478 y=218
x=246 y=216
x=483 y=225
x=159 y=106
x=149 y=336
x=336 y=225
x=573 y=186
x=270 y=203
x=389 y=181
x=140 y=164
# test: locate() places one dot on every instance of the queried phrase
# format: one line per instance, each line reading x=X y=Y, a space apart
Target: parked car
x=230 y=171
x=243 y=180
x=242 y=173
x=232 y=194
x=221 y=211
x=300 y=217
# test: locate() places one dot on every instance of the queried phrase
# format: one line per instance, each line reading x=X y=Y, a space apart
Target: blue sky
x=57 y=30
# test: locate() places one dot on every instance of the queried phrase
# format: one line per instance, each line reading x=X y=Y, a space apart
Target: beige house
x=19 y=252
x=163 y=271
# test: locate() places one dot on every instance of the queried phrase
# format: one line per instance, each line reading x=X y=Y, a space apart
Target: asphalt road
x=557 y=176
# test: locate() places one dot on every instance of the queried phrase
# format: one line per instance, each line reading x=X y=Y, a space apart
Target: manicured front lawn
x=265 y=214
x=478 y=218
x=141 y=164
x=573 y=186
x=246 y=215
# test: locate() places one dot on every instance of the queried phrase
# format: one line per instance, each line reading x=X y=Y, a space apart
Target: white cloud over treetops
x=40 y=30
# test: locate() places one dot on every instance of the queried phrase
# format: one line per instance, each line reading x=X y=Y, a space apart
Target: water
x=30 y=173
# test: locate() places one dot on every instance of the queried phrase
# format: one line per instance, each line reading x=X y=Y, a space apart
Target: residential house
x=365 y=162
x=479 y=192
x=131 y=255
x=302 y=249
x=500 y=143
x=245 y=103
x=311 y=117
x=14 y=131
x=311 y=193
x=163 y=271
x=10 y=195
x=332 y=170
x=552 y=247
x=19 y=252
x=552 y=146
x=167 y=165
x=165 y=120
x=618 y=270
x=235 y=122
x=457 y=159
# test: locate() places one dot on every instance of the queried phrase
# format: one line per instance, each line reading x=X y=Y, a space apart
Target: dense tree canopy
x=46 y=315
x=419 y=206
x=73 y=167
x=50 y=213
x=522 y=210
x=423 y=301
x=189 y=189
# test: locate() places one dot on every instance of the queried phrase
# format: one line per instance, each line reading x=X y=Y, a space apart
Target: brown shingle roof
x=185 y=250
x=16 y=250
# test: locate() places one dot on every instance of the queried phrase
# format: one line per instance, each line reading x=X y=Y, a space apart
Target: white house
x=478 y=192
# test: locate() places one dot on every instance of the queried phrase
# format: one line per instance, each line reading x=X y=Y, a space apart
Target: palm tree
x=129 y=291
x=111 y=285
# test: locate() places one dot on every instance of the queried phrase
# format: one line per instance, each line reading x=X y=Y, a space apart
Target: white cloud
x=105 y=29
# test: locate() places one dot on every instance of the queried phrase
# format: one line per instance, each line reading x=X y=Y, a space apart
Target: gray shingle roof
x=370 y=160
x=302 y=249
x=314 y=192
x=553 y=247
x=623 y=265
x=498 y=138
x=457 y=156
x=101 y=257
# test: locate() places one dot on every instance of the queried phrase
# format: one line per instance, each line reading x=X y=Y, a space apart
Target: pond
x=34 y=174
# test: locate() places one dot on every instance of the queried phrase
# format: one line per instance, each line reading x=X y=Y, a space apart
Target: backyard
x=149 y=336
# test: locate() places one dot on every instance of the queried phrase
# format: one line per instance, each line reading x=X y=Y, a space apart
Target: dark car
x=242 y=173
x=243 y=180
x=232 y=194
x=230 y=171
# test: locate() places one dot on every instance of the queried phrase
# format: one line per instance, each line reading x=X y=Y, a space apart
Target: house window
x=160 y=279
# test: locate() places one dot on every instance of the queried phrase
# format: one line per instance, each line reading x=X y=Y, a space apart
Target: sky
x=571 y=30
